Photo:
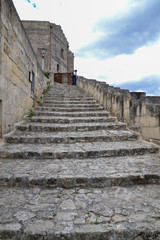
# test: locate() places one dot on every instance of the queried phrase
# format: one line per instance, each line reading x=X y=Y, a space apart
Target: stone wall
x=140 y=112
x=50 y=46
x=70 y=61
x=38 y=33
x=21 y=78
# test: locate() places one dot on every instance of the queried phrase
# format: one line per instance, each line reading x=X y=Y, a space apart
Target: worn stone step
x=65 y=91
x=77 y=150
x=120 y=213
x=63 y=98
x=54 y=101
x=41 y=127
x=68 y=120
x=71 y=137
x=72 y=114
x=69 y=109
x=70 y=105
x=71 y=173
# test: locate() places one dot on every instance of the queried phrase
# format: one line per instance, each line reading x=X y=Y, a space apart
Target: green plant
x=31 y=114
x=46 y=90
x=157 y=217
x=76 y=192
x=96 y=223
x=39 y=102
x=54 y=214
x=46 y=74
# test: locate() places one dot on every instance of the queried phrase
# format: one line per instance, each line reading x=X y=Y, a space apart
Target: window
x=0 y=118
x=58 y=67
x=62 y=53
x=43 y=52
x=32 y=83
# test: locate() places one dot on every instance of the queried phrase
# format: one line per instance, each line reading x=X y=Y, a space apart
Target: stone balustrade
x=140 y=112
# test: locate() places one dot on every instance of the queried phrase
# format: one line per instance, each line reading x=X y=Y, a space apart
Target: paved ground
x=74 y=172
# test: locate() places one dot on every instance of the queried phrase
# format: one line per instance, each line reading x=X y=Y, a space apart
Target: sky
x=114 y=41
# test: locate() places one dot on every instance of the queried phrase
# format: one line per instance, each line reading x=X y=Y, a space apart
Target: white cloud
x=139 y=90
x=123 y=68
x=77 y=19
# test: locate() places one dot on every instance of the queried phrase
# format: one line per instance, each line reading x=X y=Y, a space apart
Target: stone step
x=62 y=119
x=77 y=150
x=62 y=98
x=72 y=114
x=70 y=105
x=120 y=213
x=69 y=109
x=76 y=173
x=41 y=127
x=70 y=137
x=54 y=101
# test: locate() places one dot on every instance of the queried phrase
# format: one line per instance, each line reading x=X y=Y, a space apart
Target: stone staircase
x=74 y=172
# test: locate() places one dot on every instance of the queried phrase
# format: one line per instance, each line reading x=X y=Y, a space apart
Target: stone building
x=50 y=46
x=27 y=50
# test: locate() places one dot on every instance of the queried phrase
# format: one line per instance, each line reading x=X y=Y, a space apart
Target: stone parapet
x=140 y=112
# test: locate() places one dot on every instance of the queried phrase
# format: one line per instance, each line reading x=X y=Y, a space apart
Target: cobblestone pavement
x=74 y=172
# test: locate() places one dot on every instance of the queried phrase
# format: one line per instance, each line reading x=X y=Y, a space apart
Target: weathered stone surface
x=141 y=112
x=18 y=60
x=72 y=119
x=70 y=127
x=77 y=150
x=47 y=38
x=77 y=175
x=72 y=105
x=73 y=114
x=71 y=137
x=70 y=109
x=120 y=213
x=68 y=173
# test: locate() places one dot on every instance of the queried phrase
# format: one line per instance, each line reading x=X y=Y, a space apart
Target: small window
x=32 y=83
x=62 y=53
x=58 y=67
x=43 y=53
x=0 y=118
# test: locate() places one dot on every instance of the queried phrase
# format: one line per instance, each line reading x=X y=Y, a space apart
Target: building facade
x=50 y=46
x=27 y=50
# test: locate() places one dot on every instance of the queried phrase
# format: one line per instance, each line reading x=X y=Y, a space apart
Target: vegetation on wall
x=46 y=74
x=47 y=89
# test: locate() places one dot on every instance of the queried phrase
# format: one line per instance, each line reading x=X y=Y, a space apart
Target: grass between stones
x=31 y=114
